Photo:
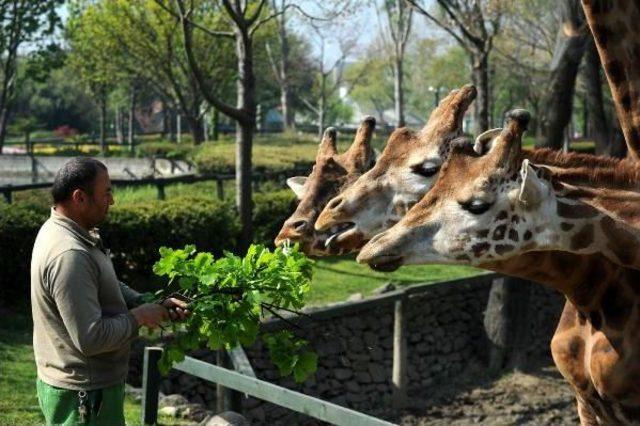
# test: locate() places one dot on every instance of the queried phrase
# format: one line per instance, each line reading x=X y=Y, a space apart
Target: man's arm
x=132 y=298
x=73 y=280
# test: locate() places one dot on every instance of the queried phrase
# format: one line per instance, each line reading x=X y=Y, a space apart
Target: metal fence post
x=220 y=185
x=150 y=385
x=7 y=195
x=399 y=375
x=161 y=194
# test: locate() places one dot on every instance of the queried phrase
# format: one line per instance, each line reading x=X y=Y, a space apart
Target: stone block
x=378 y=373
x=342 y=374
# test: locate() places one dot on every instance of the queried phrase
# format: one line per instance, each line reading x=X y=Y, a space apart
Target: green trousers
x=99 y=407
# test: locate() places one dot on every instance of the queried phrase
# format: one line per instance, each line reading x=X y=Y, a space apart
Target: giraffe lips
x=386 y=263
x=339 y=232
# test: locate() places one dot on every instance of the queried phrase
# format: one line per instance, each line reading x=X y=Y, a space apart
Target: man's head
x=82 y=190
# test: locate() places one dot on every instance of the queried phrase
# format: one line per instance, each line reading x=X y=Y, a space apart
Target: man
x=84 y=318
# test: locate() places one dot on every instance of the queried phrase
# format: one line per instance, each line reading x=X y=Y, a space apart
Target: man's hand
x=177 y=308
x=150 y=314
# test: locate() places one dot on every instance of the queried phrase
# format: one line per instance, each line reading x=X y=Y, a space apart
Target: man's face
x=97 y=205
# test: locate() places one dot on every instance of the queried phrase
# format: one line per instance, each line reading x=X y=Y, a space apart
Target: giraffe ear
x=296 y=184
x=533 y=188
x=483 y=142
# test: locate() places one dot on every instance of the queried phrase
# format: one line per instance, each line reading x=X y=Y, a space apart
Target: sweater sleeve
x=131 y=297
x=73 y=280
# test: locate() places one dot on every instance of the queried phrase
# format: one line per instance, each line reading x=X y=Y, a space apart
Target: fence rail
x=161 y=182
x=296 y=401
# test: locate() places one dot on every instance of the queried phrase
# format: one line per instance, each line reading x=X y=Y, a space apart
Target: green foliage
x=164 y=149
x=228 y=296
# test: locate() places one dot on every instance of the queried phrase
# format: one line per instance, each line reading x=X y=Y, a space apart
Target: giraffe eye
x=475 y=206
x=425 y=169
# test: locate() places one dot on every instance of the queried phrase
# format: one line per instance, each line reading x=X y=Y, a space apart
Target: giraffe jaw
x=339 y=233
x=386 y=263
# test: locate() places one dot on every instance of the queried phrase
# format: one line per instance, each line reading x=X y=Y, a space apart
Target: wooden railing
x=161 y=182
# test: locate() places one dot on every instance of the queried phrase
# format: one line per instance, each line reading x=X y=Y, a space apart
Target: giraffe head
x=403 y=173
x=330 y=173
x=486 y=205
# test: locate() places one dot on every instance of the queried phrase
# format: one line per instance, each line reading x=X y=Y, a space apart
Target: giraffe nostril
x=299 y=225
x=335 y=203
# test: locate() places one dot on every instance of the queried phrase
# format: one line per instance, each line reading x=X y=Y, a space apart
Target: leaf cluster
x=229 y=296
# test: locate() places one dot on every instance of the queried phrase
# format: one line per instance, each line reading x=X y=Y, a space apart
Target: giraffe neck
x=614 y=27
x=592 y=221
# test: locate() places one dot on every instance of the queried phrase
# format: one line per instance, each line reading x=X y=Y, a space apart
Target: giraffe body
x=495 y=210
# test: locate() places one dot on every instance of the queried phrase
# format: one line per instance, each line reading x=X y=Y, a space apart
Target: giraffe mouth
x=339 y=233
x=386 y=263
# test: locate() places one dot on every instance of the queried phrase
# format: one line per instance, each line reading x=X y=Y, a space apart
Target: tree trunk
x=131 y=121
x=103 y=124
x=197 y=128
x=214 y=124
x=480 y=77
x=598 y=124
x=286 y=95
x=244 y=134
x=566 y=61
x=398 y=91
x=4 y=117
x=119 y=126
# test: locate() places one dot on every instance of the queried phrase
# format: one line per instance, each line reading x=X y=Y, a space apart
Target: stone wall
x=354 y=342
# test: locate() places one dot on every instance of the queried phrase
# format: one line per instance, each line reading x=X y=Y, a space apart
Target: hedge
x=134 y=233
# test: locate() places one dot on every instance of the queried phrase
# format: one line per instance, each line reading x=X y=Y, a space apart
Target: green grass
x=18 y=400
x=335 y=279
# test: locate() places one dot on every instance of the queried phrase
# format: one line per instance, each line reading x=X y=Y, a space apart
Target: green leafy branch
x=228 y=297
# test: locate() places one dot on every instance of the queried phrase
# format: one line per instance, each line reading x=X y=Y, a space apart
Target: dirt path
x=538 y=397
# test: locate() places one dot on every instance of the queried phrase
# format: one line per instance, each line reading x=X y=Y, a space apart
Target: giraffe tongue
x=339 y=232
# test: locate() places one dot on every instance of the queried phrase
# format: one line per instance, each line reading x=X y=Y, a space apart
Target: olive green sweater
x=82 y=328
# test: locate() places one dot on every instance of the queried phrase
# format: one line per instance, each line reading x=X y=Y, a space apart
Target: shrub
x=164 y=149
x=135 y=231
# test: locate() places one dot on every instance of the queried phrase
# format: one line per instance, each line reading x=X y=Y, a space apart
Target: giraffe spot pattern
x=502 y=215
x=515 y=219
x=480 y=248
x=513 y=235
x=483 y=233
x=620 y=241
x=616 y=307
x=504 y=248
x=583 y=238
x=576 y=211
x=566 y=226
x=527 y=235
x=596 y=320
x=498 y=233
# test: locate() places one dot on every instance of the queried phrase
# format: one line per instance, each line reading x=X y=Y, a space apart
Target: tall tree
x=572 y=36
x=245 y=17
x=399 y=18
x=598 y=122
x=474 y=25
x=21 y=21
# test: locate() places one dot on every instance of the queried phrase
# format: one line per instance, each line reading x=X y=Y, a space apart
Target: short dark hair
x=77 y=173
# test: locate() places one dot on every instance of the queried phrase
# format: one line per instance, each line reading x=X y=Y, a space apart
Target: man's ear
x=296 y=184
x=78 y=195
x=533 y=188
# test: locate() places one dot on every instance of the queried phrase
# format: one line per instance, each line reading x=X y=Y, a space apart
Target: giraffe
x=494 y=210
x=383 y=195
x=409 y=163
x=331 y=171
x=614 y=27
